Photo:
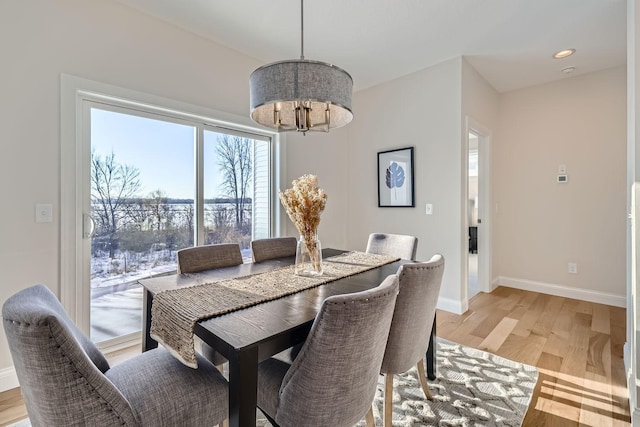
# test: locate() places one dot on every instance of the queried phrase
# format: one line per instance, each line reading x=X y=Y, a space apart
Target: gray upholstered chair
x=332 y=381
x=398 y=245
x=411 y=326
x=198 y=258
x=66 y=380
x=276 y=247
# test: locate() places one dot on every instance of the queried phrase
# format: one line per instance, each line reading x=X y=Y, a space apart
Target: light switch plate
x=44 y=212
x=429 y=209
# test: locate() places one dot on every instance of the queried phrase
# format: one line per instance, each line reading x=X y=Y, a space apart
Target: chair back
x=398 y=245
x=413 y=315
x=199 y=258
x=277 y=247
x=333 y=379
x=60 y=371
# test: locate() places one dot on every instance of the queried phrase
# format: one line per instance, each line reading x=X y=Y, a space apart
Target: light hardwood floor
x=576 y=345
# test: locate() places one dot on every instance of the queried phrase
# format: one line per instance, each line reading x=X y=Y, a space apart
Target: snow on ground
x=116 y=297
x=107 y=272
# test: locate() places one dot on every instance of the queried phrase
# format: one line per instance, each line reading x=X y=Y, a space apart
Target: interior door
x=473 y=219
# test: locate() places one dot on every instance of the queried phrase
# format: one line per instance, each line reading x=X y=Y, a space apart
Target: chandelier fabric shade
x=301 y=95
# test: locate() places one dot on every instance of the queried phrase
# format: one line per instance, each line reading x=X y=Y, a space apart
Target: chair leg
x=267 y=416
x=423 y=379
x=388 y=399
x=369 y=417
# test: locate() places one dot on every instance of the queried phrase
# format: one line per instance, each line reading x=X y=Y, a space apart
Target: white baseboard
x=563 y=291
x=8 y=379
x=450 y=305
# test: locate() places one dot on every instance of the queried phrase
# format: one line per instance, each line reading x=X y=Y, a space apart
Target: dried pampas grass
x=304 y=203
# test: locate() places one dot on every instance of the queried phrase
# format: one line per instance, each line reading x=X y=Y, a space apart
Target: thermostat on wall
x=563 y=179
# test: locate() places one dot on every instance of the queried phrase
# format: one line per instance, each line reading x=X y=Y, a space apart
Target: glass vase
x=308 y=257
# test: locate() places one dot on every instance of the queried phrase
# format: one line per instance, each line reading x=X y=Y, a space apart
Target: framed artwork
x=395 y=178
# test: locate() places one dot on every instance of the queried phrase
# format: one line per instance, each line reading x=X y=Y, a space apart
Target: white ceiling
x=510 y=42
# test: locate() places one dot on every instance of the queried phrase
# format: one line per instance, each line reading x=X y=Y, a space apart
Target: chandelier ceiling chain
x=301 y=95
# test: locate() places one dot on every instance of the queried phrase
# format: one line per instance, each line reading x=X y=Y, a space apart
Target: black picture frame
x=395 y=178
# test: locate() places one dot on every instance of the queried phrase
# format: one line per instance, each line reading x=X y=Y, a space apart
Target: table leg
x=243 y=388
x=431 y=353
x=148 y=343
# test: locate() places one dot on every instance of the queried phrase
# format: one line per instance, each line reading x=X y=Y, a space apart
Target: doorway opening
x=477 y=221
x=472 y=215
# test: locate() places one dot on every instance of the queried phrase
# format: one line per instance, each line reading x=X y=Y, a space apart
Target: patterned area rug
x=473 y=388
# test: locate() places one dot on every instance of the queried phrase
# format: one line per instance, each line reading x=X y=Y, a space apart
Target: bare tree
x=186 y=216
x=234 y=160
x=112 y=186
x=159 y=213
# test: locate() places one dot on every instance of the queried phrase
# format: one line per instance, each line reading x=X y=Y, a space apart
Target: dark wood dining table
x=250 y=335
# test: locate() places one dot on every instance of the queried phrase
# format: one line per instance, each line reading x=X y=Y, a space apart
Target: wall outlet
x=572 y=268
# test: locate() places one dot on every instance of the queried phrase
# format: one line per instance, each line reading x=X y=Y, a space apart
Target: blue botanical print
x=394 y=176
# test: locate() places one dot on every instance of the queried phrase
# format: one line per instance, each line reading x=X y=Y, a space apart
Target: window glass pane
x=142 y=190
x=228 y=189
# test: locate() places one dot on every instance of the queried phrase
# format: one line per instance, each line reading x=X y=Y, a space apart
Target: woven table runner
x=174 y=313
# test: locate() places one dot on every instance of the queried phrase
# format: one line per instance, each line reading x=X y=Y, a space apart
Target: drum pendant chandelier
x=301 y=95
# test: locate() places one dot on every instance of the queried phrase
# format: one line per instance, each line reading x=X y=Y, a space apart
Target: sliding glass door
x=158 y=183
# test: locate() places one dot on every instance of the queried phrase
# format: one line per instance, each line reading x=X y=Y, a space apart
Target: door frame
x=484 y=211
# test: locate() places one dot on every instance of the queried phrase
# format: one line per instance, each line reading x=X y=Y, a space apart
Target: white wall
x=479 y=98
x=426 y=110
x=422 y=110
x=542 y=225
x=98 y=40
x=480 y=110
x=324 y=155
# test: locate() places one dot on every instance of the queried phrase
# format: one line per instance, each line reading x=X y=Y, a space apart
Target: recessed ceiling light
x=568 y=70
x=564 y=53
